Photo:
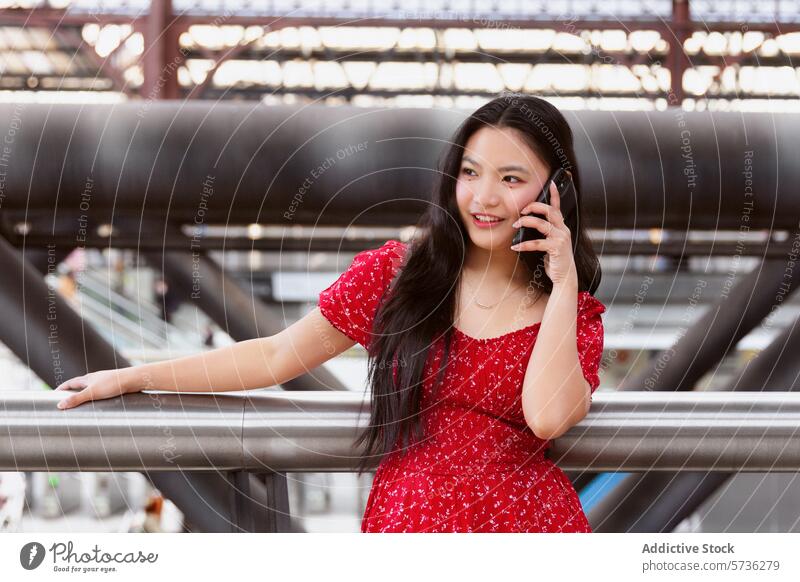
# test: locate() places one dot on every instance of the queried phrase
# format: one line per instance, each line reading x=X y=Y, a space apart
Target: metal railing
x=269 y=431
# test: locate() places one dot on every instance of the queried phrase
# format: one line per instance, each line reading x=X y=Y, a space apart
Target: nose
x=486 y=195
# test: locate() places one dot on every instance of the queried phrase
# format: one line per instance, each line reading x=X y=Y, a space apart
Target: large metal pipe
x=231 y=162
x=272 y=431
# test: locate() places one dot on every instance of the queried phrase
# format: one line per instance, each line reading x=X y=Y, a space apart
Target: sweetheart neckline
x=499 y=337
x=516 y=331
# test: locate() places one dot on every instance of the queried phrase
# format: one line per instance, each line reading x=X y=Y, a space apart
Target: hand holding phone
x=568 y=202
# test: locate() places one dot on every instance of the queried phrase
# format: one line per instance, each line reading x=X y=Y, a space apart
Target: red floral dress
x=480 y=468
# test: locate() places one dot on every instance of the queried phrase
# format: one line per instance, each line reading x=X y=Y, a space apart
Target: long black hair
x=419 y=306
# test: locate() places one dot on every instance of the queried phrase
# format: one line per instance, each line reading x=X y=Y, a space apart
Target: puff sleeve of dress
x=351 y=302
x=590 y=337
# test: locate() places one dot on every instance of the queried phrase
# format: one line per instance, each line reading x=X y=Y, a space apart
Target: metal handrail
x=271 y=430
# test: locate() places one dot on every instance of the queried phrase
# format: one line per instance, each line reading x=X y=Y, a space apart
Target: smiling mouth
x=486 y=219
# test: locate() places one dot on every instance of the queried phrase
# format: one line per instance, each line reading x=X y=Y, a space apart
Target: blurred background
x=96 y=77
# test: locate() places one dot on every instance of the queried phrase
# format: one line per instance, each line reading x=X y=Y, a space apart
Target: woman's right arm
x=245 y=365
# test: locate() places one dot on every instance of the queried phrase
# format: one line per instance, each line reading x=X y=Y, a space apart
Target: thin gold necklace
x=481 y=305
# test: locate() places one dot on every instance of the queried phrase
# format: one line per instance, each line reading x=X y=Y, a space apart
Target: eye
x=517 y=179
x=466 y=171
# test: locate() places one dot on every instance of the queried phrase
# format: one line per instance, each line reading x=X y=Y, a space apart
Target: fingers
x=532 y=245
x=538 y=207
x=555 y=197
x=550 y=212
x=75 y=399
x=76 y=382
x=539 y=224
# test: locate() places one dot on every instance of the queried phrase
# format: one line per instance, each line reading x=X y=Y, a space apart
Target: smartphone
x=568 y=198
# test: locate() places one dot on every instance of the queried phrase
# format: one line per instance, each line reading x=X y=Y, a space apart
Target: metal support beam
x=658 y=502
x=676 y=36
x=372 y=17
x=246 y=502
x=42 y=329
x=714 y=334
x=162 y=56
x=46 y=259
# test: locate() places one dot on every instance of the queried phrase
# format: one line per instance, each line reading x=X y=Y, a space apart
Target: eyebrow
x=503 y=169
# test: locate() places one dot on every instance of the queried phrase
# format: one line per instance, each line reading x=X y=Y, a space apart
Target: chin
x=491 y=244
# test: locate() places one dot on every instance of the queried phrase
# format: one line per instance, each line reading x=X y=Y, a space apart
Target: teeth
x=484 y=219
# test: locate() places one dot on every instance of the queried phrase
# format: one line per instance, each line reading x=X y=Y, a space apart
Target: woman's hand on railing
x=95 y=386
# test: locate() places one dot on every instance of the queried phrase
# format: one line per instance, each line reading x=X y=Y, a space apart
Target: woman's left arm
x=555 y=393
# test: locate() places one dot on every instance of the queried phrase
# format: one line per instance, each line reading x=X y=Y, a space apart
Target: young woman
x=479 y=353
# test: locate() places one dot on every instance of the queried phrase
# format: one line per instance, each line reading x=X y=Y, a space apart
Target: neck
x=495 y=265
